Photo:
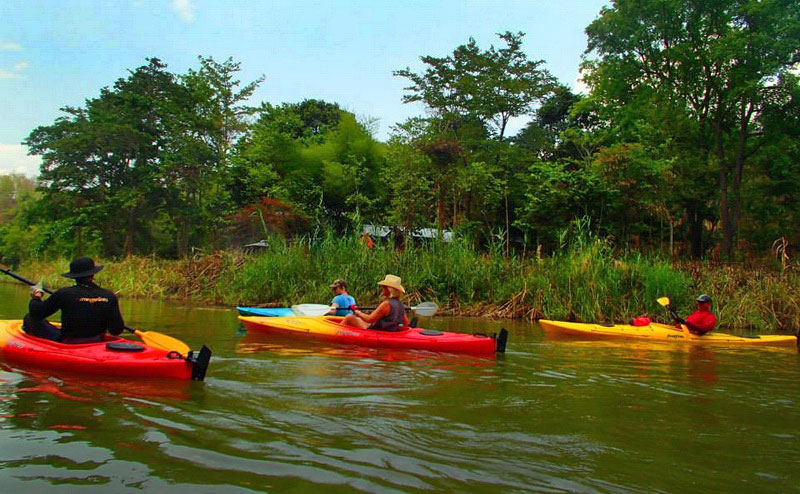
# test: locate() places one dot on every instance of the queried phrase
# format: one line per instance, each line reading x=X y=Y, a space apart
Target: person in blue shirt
x=340 y=305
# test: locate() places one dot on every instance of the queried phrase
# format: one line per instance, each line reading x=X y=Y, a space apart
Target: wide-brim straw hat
x=392 y=281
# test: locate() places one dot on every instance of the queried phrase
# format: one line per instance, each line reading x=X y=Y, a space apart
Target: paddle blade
x=311 y=309
x=163 y=342
x=425 y=309
x=664 y=301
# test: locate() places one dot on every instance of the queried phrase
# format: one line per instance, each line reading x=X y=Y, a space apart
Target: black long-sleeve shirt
x=86 y=310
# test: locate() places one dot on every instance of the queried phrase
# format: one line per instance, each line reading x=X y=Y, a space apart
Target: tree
x=492 y=86
x=103 y=159
x=312 y=155
x=713 y=61
x=13 y=188
x=201 y=169
x=542 y=135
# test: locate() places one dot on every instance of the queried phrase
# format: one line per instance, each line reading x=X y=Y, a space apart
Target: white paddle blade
x=311 y=309
x=425 y=309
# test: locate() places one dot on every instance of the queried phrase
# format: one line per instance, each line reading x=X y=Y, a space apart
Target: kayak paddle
x=425 y=309
x=664 y=301
x=150 y=338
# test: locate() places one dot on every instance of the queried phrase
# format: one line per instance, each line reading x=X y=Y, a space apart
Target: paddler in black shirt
x=87 y=311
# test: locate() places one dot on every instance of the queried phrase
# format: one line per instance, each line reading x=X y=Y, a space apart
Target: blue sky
x=55 y=53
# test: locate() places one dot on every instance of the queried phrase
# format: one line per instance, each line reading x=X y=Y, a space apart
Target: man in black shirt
x=87 y=311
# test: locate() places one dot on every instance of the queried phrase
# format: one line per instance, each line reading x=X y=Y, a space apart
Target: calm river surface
x=283 y=417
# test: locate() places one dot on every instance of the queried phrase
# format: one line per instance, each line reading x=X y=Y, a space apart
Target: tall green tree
x=315 y=156
x=201 y=169
x=715 y=62
x=492 y=86
x=103 y=159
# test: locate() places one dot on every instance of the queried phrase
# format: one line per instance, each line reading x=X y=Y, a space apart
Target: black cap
x=703 y=298
x=82 y=267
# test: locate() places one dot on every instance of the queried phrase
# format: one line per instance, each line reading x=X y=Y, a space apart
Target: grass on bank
x=588 y=281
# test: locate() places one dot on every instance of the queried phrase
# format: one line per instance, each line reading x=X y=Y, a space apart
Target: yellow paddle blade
x=664 y=301
x=163 y=342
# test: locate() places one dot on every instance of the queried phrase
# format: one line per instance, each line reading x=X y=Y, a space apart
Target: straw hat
x=392 y=281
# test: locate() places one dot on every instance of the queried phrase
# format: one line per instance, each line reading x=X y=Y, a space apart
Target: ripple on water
x=549 y=416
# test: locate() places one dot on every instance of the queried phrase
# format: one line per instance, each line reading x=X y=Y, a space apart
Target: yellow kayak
x=660 y=332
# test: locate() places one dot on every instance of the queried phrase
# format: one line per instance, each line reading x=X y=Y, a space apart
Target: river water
x=286 y=417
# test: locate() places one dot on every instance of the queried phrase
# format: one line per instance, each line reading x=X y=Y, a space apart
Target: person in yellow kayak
x=702 y=320
x=340 y=305
x=87 y=311
x=389 y=315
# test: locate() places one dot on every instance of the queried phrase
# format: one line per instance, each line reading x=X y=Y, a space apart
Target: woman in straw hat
x=389 y=315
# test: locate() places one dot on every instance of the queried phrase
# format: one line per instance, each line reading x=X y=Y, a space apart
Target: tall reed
x=588 y=280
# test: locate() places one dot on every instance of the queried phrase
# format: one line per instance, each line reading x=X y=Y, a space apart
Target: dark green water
x=283 y=417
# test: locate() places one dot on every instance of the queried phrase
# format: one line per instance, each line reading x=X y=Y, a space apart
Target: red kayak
x=329 y=329
x=117 y=357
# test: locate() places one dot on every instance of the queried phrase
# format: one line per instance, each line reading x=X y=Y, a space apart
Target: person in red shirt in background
x=702 y=320
x=366 y=239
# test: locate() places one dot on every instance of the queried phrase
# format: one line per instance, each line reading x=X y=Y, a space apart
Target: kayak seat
x=606 y=324
x=751 y=336
x=430 y=332
x=118 y=346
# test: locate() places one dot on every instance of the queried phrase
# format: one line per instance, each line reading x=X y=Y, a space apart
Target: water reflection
x=286 y=416
x=702 y=365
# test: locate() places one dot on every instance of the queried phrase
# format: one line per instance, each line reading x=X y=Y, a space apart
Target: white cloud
x=14 y=159
x=6 y=74
x=10 y=46
x=184 y=8
x=15 y=73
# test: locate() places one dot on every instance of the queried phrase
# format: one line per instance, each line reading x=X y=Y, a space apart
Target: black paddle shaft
x=24 y=280
x=46 y=290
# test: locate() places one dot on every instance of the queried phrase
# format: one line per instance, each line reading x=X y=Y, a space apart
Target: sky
x=56 y=53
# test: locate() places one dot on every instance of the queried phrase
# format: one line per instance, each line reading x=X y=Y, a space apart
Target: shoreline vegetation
x=589 y=280
x=588 y=212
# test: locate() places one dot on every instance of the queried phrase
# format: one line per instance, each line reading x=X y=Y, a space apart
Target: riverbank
x=587 y=282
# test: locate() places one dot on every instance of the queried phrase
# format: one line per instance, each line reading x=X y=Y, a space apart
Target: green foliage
x=715 y=66
x=589 y=280
x=689 y=136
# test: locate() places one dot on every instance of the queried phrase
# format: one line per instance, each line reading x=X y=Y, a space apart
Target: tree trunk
x=695 y=234
x=508 y=223
x=109 y=240
x=739 y=160
x=440 y=211
x=130 y=231
x=78 y=241
x=182 y=238
x=671 y=238
x=724 y=201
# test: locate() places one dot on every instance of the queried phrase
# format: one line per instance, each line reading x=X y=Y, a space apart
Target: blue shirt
x=343 y=302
